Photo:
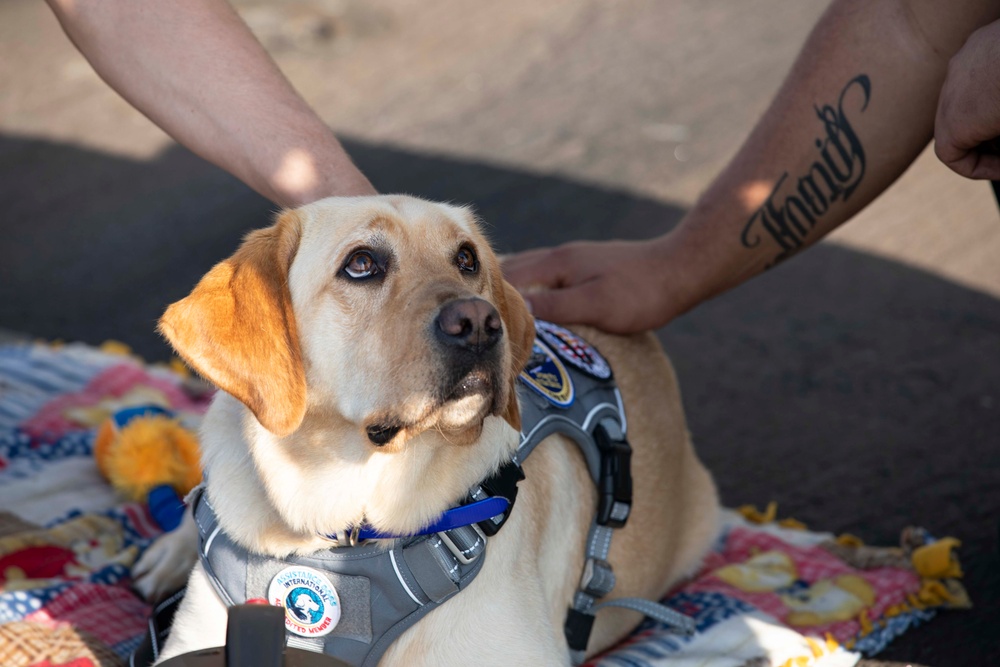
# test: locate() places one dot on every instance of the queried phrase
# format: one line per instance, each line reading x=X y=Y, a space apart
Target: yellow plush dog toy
x=147 y=456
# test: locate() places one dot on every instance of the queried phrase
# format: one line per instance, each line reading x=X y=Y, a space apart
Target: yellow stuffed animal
x=147 y=456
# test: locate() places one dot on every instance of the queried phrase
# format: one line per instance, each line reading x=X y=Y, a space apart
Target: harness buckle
x=465 y=542
x=348 y=537
x=615 y=488
x=502 y=483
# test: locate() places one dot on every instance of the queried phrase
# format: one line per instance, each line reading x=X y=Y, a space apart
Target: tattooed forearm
x=794 y=208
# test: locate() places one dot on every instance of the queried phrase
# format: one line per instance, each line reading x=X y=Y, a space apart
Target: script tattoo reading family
x=792 y=211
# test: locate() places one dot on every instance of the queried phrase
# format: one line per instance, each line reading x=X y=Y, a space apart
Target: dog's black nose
x=472 y=324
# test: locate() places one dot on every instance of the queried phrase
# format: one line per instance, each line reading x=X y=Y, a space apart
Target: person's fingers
x=944 y=145
x=594 y=302
x=970 y=164
x=987 y=167
x=948 y=148
x=518 y=260
x=570 y=305
x=521 y=267
x=960 y=163
x=545 y=267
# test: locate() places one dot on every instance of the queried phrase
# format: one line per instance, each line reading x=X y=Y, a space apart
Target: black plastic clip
x=504 y=484
x=577 y=628
x=615 y=489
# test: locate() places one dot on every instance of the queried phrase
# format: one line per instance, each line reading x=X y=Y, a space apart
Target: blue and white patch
x=312 y=606
x=546 y=375
x=574 y=350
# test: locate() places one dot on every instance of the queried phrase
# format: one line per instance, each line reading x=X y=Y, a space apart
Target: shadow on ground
x=861 y=394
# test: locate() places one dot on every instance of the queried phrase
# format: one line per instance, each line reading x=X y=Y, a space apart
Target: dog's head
x=389 y=314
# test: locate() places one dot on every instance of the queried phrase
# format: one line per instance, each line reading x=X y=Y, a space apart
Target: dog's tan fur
x=223 y=325
x=309 y=359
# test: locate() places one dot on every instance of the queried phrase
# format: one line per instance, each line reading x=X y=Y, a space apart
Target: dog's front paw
x=167 y=563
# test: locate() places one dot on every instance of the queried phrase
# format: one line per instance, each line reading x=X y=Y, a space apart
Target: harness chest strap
x=382 y=593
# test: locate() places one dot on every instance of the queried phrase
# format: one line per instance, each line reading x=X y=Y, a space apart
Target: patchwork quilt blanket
x=769 y=592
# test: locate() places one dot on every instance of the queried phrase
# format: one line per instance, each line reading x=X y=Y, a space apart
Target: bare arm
x=856 y=109
x=196 y=70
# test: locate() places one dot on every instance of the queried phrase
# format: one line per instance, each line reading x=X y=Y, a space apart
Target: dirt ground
x=858 y=385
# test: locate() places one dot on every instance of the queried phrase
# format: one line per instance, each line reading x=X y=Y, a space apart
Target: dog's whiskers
x=444 y=436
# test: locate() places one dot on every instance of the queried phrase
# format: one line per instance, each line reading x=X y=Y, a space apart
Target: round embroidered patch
x=574 y=349
x=546 y=375
x=312 y=606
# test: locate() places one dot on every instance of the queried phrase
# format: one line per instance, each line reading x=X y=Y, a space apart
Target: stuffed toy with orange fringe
x=148 y=457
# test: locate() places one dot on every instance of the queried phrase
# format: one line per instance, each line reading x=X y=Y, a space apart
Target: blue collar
x=463 y=515
x=488 y=506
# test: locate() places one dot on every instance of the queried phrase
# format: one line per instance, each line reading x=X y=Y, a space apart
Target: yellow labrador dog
x=333 y=337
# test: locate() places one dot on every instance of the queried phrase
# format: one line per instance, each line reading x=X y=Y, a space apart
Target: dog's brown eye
x=361 y=265
x=466 y=260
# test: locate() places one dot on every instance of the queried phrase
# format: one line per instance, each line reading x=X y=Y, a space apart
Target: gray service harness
x=383 y=592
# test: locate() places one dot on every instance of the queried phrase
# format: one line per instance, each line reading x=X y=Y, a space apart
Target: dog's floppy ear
x=521 y=337
x=237 y=327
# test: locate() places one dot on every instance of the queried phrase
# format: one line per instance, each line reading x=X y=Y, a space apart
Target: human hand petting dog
x=618 y=286
x=967 y=126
